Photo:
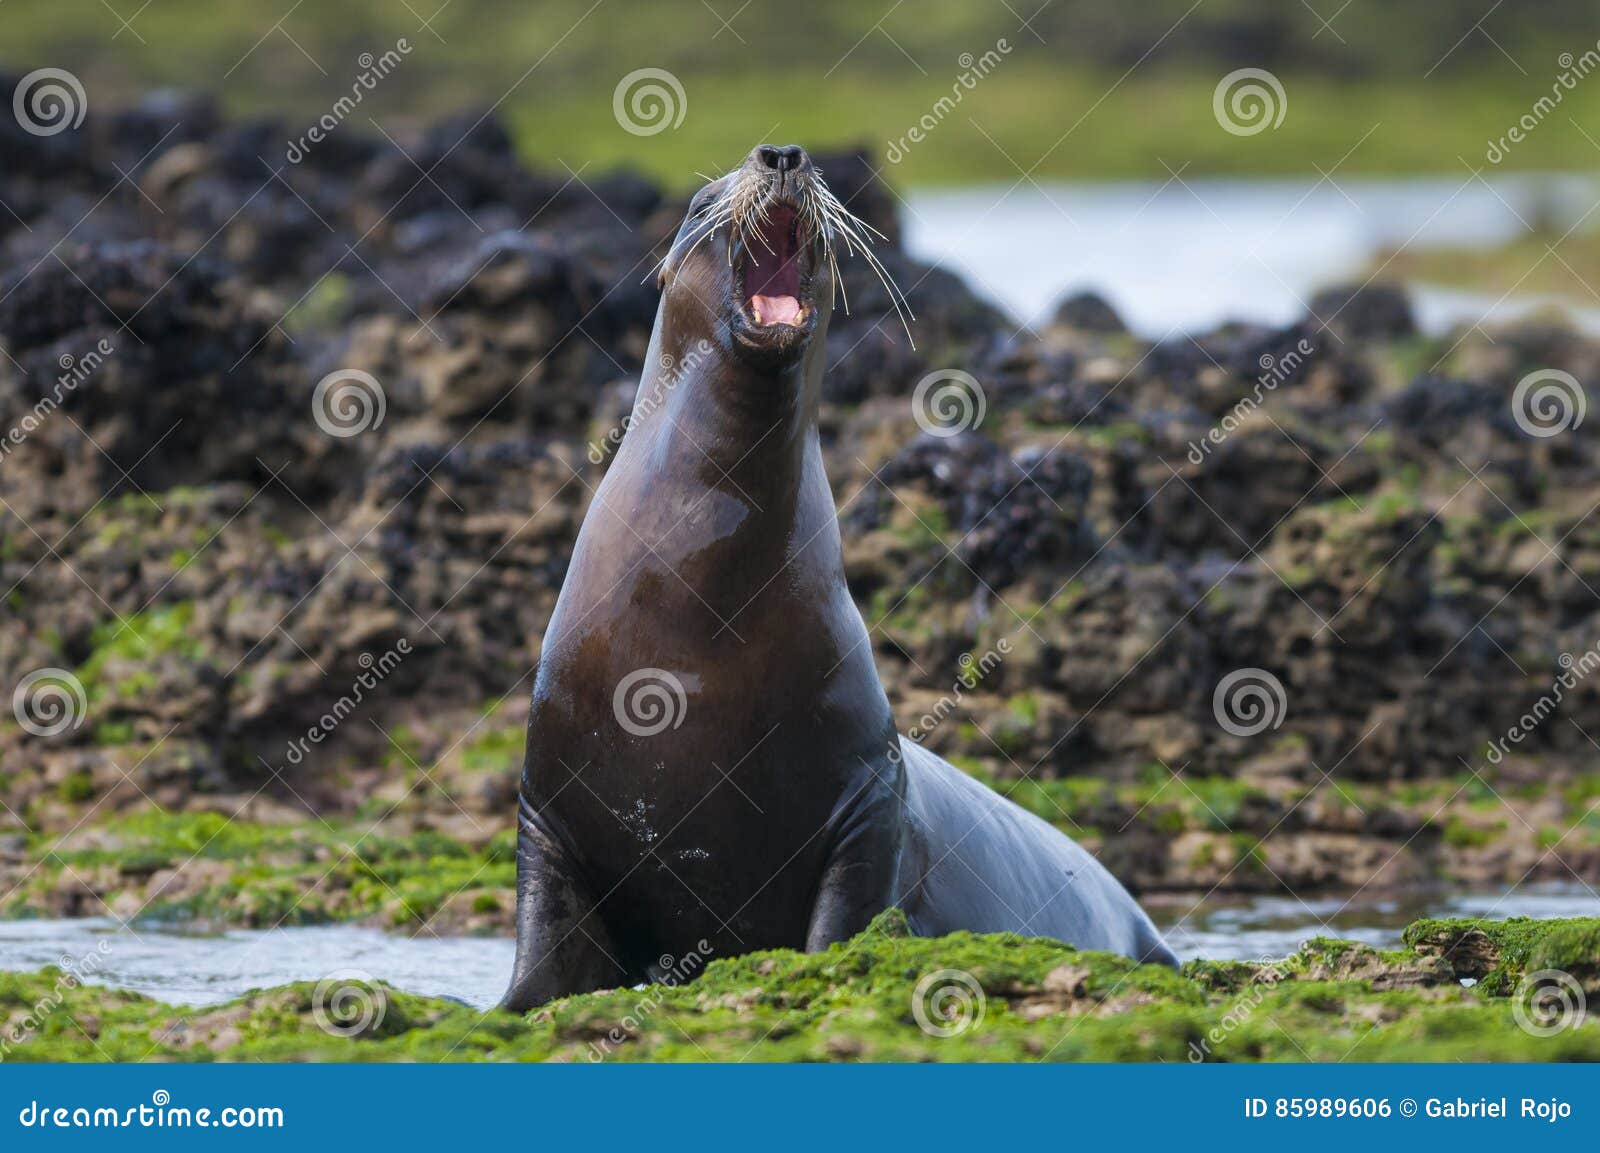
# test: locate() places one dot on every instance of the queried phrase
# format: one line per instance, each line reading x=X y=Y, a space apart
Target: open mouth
x=773 y=283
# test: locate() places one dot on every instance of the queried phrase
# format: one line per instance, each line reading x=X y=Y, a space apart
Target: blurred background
x=1275 y=320
x=1378 y=118
x=1437 y=77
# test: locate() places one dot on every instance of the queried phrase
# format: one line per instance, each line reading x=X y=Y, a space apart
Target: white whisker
x=746 y=205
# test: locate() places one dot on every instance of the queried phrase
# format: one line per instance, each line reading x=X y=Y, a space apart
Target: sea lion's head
x=755 y=260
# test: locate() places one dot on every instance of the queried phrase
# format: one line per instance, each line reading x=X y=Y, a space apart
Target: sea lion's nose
x=782 y=157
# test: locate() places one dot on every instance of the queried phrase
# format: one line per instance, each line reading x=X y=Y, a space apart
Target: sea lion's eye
x=701 y=205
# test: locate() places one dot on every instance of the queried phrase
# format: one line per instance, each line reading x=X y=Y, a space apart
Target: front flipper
x=562 y=946
x=861 y=877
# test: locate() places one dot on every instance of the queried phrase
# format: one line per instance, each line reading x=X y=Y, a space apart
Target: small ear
x=661 y=277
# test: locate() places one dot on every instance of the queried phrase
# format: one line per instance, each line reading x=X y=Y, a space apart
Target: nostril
x=781 y=158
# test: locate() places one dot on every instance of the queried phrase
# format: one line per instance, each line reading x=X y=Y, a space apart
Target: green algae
x=1498 y=954
x=309 y=873
x=1462 y=834
x=866 y=999
x=122 y=646
x=494 y=749
x=1331 y=1000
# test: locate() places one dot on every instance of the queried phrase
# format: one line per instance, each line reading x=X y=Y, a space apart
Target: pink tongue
x=776 y=309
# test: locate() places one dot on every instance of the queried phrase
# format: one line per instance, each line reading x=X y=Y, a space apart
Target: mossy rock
x=883 y=996
x=1572 y=948
x=241 y=873
x=1324 y=959
x=1497 y=953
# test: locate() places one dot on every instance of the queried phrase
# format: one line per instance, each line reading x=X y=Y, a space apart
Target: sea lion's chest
x=639 y=749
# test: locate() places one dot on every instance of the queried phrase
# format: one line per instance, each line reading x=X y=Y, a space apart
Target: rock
x=1089 y=312
x=1468 y=950
x=1067 y=980
x=1346 y=961
x=817 y=1008
x=1369 y=312
x=1374 y=530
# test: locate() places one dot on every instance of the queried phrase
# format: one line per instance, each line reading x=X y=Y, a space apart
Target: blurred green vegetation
x=1544 y=260
x=1104 y=90
x=276 y=874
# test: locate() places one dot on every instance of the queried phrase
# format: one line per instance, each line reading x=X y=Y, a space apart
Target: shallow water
x=1260 y=928
x=184 y=968
x=1186 y=255
x=188 y=969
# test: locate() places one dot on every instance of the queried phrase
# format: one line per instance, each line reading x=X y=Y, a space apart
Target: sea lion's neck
x=716 y=522
x=735 y=429
x=706 y=418
x=720 y=480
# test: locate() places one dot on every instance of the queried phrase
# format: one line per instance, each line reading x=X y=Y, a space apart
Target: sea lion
x=712 y=766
